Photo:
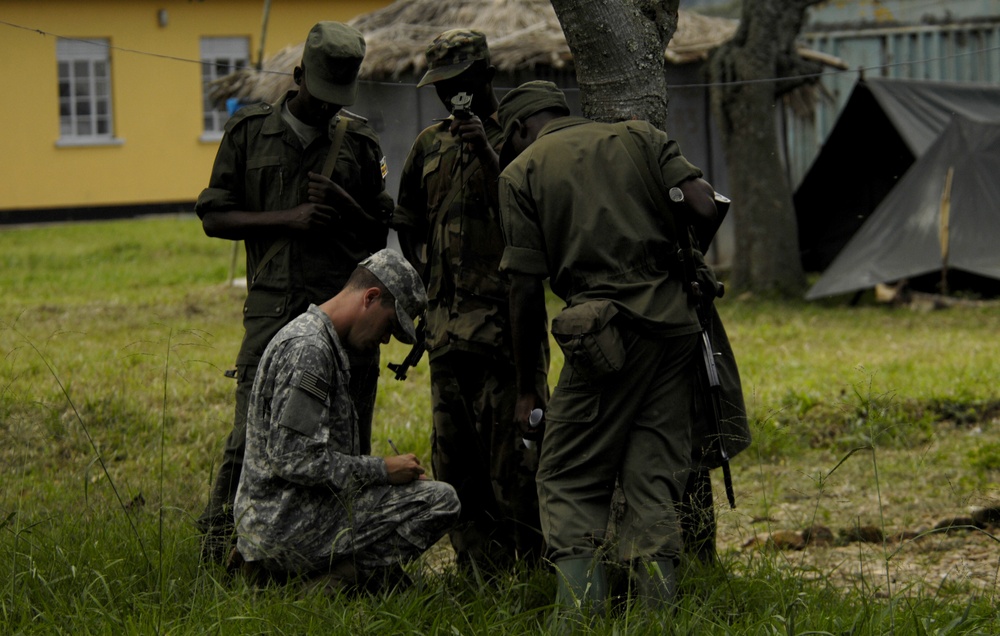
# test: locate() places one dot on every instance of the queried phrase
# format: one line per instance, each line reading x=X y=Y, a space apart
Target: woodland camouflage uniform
x=446 y=202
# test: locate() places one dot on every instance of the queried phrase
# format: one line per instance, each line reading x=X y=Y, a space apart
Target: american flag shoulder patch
x=385 y=167
x=314 y=385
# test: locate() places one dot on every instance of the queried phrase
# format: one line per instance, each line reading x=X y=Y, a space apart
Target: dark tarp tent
x=885 y=126
x=944 y=213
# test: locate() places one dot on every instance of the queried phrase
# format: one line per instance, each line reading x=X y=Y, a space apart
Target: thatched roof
x=522 y=34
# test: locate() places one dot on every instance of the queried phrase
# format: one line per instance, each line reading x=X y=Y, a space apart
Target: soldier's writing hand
x=310 y=216
x=403 y=469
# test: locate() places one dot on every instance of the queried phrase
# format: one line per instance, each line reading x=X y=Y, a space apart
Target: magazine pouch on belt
x=589 y=339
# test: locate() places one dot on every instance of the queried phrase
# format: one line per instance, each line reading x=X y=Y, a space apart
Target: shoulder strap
x=457 y=187
x=271 y=252
x=338 y=140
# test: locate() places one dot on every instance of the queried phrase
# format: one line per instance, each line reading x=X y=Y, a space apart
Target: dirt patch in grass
x=897 y=521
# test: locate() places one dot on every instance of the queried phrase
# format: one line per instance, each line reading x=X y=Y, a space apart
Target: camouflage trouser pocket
x=589 y=339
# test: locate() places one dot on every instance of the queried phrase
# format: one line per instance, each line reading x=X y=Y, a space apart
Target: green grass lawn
x=113 y=408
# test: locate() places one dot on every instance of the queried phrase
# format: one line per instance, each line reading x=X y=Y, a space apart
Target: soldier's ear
x=372 y=295
x=520 y=130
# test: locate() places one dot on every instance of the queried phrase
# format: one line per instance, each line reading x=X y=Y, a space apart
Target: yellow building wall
x=156 y=94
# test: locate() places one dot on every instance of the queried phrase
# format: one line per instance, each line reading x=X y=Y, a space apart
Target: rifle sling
x=335 y=144
x=458 y=186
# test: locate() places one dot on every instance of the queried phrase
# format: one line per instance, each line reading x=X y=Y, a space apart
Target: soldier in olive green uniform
x=302 y=182
x=575 y=209
x=448 y=223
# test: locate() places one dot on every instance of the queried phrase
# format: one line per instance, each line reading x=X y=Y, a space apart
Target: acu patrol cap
x=526 y=100
x=332 y=57
x=452 y=53
x=404 y=284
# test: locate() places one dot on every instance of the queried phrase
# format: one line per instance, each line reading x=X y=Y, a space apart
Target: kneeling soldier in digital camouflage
x=309 y=504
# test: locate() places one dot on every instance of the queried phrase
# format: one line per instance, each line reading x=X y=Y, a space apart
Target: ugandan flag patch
x=385 y=167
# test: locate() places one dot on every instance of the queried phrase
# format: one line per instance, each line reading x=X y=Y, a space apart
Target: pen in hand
x=393 y=446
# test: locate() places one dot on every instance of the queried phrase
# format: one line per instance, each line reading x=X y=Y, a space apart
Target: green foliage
x=985 y=457
x=113 y=409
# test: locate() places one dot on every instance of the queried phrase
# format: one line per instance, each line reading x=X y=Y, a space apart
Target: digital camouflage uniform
x=623 y=406
x=446 y=201
x=262 y=166
x=308 y=497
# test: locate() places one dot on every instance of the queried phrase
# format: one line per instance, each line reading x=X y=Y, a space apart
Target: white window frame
x=86 y=116
x=220 y=56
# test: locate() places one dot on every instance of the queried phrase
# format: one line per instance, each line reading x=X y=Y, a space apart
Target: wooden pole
x=944 y=222
x=263 y=33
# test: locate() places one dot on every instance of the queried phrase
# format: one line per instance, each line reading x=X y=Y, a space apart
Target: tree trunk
x=766 y=258
x=618 y=50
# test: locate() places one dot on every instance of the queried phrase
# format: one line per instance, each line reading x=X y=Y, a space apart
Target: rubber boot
x=655 y=583
x=580 y=595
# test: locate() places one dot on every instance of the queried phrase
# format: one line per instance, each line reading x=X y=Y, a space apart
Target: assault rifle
x=704 y=230
x=703 y=299
x=412 y=358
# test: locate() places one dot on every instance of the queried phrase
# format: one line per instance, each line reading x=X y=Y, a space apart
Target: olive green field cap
x=526 y=100
x=331 y=57
x=452 y=53
x=404 y=284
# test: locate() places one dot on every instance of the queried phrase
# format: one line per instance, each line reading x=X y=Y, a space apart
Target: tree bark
x=618 y=48
x=744 y=101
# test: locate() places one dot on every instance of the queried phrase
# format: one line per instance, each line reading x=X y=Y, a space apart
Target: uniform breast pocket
x=433 y=184
x=264 y=183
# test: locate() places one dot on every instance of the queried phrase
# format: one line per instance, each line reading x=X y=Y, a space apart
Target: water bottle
x=534 y=419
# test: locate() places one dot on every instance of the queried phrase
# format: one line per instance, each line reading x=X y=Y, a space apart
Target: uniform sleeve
x=308 y=424
x=675 y=167
x=525 y=249
x=225 y=186
x=411 y=204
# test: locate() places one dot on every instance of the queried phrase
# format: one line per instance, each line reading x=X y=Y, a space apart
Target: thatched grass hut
x=524 y=37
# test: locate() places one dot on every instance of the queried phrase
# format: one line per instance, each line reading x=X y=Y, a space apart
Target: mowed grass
x=113 y=409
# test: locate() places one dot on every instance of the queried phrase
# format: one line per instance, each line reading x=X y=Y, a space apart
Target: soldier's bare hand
x=310 y=216
x=324 y=191
x=403 y=468
x=472 y=132
x=321 y=189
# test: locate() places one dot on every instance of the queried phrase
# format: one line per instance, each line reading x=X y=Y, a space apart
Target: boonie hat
x=404 y=284
x=332 y=57
x=526 y=100
x=453 y=52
